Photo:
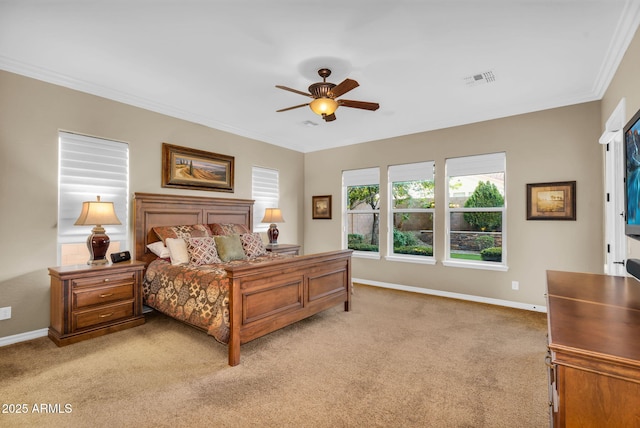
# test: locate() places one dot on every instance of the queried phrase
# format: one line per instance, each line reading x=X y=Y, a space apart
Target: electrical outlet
x=5 y=313
x=515 y=285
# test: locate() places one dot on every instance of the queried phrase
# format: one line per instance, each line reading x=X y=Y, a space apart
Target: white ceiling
x=217 y=62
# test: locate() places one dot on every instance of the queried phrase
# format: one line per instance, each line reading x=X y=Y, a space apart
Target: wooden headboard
x=152 y=210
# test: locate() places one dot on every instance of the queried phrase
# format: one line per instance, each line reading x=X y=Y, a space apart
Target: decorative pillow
x=159 y=249
x=229 y=248
x=252 y=245
x=178 y=251
x=202 y=251
x=185 y=231
x=224 y=229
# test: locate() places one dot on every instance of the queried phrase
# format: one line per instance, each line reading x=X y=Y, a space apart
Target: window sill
x=408 y=259
x=366 y=255
x=476 y=265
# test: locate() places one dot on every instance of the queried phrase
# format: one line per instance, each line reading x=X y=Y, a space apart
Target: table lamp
x=273 y=216
x=97 y=213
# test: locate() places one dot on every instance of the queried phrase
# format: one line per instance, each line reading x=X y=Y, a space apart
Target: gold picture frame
x=187 y=168
x=551 y=201
x=321 y=207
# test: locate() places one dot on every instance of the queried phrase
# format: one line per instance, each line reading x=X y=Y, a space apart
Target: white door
x=615 y=239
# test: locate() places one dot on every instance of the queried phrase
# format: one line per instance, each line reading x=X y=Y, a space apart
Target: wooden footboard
x=266 y=298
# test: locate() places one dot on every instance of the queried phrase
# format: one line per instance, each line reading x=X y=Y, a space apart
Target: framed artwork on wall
x=187 y=168
x=321 y=206
x=551 y=201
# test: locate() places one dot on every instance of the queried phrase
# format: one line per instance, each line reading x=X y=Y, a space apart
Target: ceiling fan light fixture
x=322 y=106
x=324 y=96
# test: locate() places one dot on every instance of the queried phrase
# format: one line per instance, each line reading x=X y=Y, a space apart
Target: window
x=89 y=167
x=362 y=211
x=411 y=206
x=265 y=193
x=476 y=212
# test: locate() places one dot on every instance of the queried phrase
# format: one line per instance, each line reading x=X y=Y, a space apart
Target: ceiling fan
x=324 y=96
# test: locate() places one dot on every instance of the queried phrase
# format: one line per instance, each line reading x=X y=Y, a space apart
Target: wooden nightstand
x=90 y=301
x=284 y=248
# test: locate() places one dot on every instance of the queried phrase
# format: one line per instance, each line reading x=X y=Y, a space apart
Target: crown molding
x=625 y=31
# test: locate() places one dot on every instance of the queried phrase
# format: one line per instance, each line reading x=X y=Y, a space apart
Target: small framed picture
x=321 y=206
x=551 y=201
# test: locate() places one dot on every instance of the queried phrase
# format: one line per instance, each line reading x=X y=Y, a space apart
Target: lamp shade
x=272 y=215
x=97 y=213
x=322 y=106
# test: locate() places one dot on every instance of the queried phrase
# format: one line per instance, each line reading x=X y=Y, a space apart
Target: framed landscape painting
x=187 y=168
x=551 y=201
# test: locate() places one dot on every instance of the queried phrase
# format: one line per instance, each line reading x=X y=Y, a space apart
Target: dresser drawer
x=101 y=315
x=102 y=280
x=85 y=297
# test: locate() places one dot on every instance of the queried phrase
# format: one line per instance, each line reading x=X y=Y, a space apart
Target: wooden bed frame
x=264 y=297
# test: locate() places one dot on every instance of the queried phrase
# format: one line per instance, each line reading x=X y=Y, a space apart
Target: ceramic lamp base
x=98 y=244
x=273 y=233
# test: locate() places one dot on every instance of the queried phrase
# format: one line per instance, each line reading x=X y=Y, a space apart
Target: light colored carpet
x=396 y=360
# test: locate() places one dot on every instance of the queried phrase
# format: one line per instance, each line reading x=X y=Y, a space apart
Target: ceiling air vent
x=480 y=79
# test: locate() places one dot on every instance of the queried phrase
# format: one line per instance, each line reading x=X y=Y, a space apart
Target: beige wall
x=552 y=145
x=32 y=112
x=625 y=84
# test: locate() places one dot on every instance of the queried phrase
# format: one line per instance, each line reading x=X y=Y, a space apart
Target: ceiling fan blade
x=329 y=117
x=344 y=87
x=359 y=104
x=291 y=108
x=294 y=91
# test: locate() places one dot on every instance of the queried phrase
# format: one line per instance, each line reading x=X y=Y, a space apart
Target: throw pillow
x=178 y=251
x=159 y=249
x=224 y=229
x=252 y=245
x=229 y=248
x=202 y=251
x=183 y=231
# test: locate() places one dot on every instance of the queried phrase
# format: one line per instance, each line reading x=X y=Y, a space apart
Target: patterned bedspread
x=196 y=295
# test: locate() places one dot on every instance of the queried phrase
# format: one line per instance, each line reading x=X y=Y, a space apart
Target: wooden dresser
x=90 y=301
x=594 y=350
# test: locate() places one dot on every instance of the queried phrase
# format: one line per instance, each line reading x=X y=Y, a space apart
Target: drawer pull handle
x=106 y=295
x=106 y=315
x=106 y=280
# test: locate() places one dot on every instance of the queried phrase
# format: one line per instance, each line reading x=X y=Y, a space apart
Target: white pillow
x=178 y=251
x=159 y=249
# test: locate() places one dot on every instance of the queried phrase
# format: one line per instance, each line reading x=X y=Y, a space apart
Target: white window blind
x=89 y=167
x=361 y=177
x=475 y=165
x=265 y=192
x=421 y=171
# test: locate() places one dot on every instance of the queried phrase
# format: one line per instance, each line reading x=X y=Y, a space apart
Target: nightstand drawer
x=101 y=315
x=95 y=296
x=102 y=280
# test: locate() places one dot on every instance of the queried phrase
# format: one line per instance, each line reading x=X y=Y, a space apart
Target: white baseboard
x=469 y=297
x=23 y=337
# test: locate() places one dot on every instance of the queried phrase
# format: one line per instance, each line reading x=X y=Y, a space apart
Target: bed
x=238 y=300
